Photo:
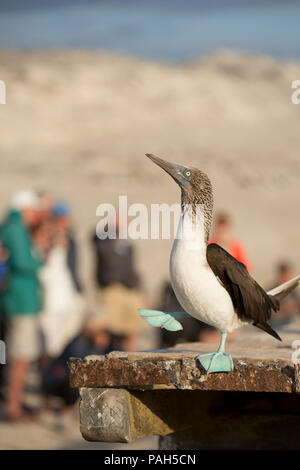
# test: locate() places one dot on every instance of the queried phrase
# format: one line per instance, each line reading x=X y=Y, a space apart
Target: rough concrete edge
x=297 y=378
x=179 y=371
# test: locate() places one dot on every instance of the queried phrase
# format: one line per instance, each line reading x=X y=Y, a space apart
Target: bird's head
x=195 y=185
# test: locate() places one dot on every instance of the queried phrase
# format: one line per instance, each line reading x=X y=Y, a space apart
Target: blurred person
x=290 y=306
x=21 y=298
x=119 y=286
x=223 y=237
x=62 y=226
x=63 y=309
x=3 y=286
x=42 y=235
x=3 y=267
x=94 y=338
x=46 y=204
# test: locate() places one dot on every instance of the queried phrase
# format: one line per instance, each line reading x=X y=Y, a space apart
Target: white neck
x=191 y=234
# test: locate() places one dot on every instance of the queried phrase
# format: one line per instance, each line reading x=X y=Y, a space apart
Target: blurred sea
x=166 y=30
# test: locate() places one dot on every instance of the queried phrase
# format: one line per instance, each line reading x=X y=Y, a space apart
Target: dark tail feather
x=275 y=303
x=267 y=329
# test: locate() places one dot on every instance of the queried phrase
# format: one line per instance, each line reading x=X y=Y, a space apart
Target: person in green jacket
x=22 y=298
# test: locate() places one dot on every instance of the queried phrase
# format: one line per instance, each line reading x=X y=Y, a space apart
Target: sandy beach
x=78 y=124
x=87 y=88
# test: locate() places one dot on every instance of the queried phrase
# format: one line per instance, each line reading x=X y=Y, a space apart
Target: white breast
x=196 y=287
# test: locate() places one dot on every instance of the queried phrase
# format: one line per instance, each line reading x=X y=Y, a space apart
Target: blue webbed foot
x=167 y=320
x=216 y=362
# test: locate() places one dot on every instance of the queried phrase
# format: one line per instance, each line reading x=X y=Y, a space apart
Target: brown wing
x=251 y=303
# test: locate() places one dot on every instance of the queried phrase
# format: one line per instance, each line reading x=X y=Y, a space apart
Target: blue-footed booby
x=209 y=283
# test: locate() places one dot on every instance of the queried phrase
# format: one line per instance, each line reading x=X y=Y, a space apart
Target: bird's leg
x=222 y=342
x=219 y=361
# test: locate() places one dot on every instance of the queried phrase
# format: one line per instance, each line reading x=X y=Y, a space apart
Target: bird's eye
x=187 y=173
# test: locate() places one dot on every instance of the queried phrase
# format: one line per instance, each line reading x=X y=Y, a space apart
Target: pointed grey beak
x=174 y=170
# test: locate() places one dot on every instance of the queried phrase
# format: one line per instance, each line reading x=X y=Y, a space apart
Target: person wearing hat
x=22 y=297
x=61 y=217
